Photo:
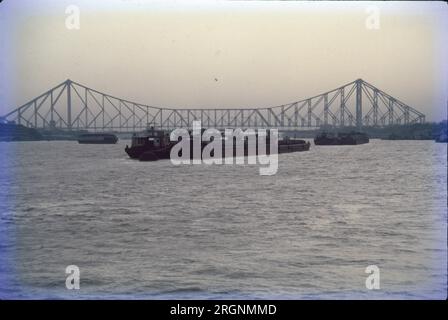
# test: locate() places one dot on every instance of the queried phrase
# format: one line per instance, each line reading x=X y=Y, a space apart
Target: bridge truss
x=73 y=106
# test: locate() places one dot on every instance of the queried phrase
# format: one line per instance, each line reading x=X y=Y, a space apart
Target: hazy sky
x=225 y=54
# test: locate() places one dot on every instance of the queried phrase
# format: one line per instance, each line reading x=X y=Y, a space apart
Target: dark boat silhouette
x=442 y=138
x=97 y=138
x=153 y=144
x=340 y=138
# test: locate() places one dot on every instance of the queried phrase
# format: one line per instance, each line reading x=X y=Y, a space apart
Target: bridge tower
x=68 y=84
x=359 y=104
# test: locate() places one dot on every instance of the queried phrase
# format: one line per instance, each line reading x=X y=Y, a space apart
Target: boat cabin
x=151 y=138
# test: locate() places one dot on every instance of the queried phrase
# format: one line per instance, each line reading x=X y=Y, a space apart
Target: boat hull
x=443 y=138
x=97 y=139
x=294 y=147
x=144 y=153
x=335 y=142
x=96 y=142
x=342 y=139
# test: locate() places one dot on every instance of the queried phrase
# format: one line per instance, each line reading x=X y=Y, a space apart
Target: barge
x=341 y=138
x=97 y=138
x=153 y=144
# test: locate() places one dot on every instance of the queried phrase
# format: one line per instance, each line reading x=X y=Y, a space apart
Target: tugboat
x=97 y=138
x=442 y=138
x=153 y=144
x=339 y=139
x=292 y=145
x=150 y=145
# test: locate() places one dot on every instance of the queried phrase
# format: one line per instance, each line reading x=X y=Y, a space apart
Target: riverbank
x=13 y=132
x=417 y=131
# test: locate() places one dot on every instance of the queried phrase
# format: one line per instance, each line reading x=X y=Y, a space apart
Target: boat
x=287 y=145
x=442 y=138
x=18 y=132
x=97 y=138
x=341 y=138
x=154 y=144
x=150 y=145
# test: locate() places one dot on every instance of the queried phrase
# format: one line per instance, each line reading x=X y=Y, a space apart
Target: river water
x=158 y=231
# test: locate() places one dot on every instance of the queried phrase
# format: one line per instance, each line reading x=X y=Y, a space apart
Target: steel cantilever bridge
x=73 y=106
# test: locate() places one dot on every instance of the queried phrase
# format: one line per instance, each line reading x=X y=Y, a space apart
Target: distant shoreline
x=425 y=131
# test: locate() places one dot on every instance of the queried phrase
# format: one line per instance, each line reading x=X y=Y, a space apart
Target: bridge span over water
x=73 y=106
